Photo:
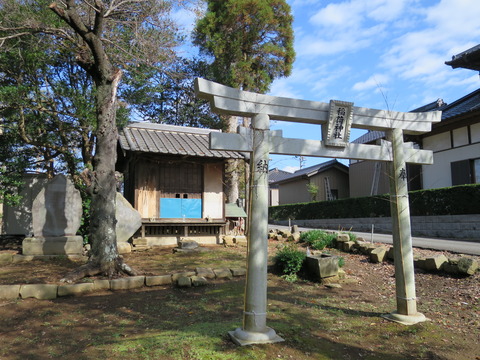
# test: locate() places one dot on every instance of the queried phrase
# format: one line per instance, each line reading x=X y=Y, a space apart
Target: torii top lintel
x=227 y=100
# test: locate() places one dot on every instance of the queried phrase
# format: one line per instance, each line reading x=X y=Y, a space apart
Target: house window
x=465 y=172
x=334 y=193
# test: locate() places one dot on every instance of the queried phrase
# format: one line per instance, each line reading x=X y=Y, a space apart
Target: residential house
x=275 y=175
x=330 y=179
x=455 y=142
x=175 y=181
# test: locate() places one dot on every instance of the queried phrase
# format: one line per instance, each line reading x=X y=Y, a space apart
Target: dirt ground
x=317 y=322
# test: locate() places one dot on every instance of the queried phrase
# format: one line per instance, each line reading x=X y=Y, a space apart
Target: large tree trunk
x=102 y=223
x=231 y=169
x=105 y=259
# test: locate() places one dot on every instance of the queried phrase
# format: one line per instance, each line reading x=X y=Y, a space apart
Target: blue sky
x=382 y=54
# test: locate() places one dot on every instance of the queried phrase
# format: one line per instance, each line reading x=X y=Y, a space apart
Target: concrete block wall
x=461 y=227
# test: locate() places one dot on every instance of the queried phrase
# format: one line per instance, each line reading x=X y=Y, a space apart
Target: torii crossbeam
x=336 y=119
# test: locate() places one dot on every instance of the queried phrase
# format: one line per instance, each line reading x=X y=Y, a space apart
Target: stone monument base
x=59 y=245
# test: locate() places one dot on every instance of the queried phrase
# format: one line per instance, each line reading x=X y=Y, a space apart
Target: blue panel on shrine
x=180 y=208
x=171 y=208
x=192 y=208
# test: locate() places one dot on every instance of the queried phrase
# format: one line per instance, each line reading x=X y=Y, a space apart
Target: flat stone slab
x=223 y=273
x=378 y=254
x=60 y=245
x=347 y=246
x=467 y=266
x=435 y=263
x=205 y=272
x=6 y=259
x=9 y=292
x=176 y=276
x=184 y=281
x=239 y=271
x=158 y=280
x=228 y=240
x=39 y=291
x=199 y=281
x=75 y=289
x=101 y=284
x=187 y=244
x=124 y=247
x=128 y=283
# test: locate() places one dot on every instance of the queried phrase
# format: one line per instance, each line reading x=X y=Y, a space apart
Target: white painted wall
x=439 y=174
x=437 y=142
x=475 y=132
x=460 y=136
x=213 y=191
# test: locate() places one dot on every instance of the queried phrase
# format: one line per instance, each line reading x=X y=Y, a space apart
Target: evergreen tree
x=251 y=44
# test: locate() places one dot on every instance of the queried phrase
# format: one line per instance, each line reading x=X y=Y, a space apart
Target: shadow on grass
x=171 y=323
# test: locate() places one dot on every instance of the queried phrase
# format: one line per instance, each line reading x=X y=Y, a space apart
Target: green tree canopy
x=251 y=41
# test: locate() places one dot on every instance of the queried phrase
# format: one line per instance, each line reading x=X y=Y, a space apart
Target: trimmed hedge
x=455 y=200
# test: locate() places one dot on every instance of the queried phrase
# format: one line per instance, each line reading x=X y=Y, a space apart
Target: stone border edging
x=52 y=291
x=377 y=253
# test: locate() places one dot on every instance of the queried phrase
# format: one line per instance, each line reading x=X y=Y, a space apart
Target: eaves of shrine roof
x=468 y=59
x=314 y=170
x=171 y=140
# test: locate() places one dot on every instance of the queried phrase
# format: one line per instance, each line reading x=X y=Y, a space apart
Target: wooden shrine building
x=175 y=181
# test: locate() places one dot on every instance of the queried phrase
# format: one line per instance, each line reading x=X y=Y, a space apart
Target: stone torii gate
x=336 y=119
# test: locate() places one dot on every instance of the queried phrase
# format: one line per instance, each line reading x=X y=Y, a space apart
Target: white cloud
x=373 y=82
x=185 y=18
x=418 y=56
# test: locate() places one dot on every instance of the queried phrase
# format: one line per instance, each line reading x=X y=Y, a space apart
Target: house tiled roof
x=275 y=175
x=369 y=137
x=468 y=103
x=462 y=106
x=313 y=170
x=171 y=139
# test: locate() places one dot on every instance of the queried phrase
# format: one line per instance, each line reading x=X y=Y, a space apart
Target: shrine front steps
x=184 y=279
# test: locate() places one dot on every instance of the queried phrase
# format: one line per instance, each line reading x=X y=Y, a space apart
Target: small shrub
x=341 y=262
x=290 y=277
x=318 y=239
x=289 y=259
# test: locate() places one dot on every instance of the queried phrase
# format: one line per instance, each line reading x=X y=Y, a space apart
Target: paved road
x=462 y=247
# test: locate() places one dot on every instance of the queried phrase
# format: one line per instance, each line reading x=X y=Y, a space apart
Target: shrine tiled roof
x=468 y=59
x=172 y=140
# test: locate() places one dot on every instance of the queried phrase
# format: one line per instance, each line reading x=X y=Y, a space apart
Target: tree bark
x=102 y=218
x=231 y=168
x=104 y=258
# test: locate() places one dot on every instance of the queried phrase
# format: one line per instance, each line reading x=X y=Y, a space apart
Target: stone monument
x=56 y=217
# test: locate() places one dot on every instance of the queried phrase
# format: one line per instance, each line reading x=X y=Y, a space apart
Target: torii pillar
x=254 y=329
x=335 y=119
x=402 y=240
